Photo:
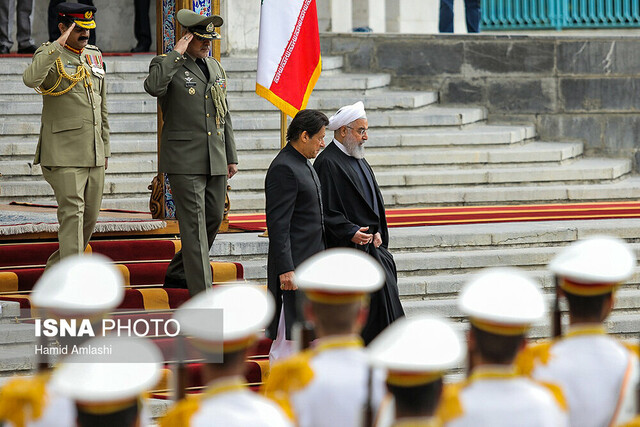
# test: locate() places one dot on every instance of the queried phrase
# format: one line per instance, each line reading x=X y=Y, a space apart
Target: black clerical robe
x=347 y=205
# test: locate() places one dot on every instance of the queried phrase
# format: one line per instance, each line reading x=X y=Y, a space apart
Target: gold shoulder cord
x=81 y=74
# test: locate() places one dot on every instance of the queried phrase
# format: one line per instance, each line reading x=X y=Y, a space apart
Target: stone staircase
x=423 y=153
x=434 y=262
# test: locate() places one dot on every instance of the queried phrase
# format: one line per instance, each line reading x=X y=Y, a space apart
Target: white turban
x=346 y=115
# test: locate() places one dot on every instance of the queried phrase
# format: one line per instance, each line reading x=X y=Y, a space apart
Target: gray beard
x=354 y=150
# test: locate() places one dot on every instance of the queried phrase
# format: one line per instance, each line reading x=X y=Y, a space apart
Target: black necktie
x=203 y=68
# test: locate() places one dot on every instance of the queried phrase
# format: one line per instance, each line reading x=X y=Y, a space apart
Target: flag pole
x=283 y=129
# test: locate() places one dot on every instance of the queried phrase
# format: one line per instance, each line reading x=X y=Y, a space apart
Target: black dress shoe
x=140 y=48
x=29 y=49
x=4 y=50
x=171 y=282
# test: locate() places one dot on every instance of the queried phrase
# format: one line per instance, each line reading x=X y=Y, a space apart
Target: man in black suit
x=354 y=209
x=294 y=220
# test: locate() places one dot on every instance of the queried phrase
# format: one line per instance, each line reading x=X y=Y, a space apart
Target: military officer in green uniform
x=197 y=148
x=74 y=135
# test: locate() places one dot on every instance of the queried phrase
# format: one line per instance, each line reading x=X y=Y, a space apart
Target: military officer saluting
x=74 y=136
x=197 y=148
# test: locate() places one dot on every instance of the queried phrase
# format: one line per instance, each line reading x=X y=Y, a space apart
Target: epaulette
x=287 y=377
x=450 y=406
x=633 y=348
x=181 y=413
x=633 y=423
x=92 y=47
x=163 y=54
x=23 y=399
x=532 y=355
x=557 y=393
x=46 y=43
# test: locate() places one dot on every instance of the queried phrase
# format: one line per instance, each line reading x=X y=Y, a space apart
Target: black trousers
x=54 y=32
x=141 y=23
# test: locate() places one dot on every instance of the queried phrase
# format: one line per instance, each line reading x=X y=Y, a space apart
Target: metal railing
x=559 y=14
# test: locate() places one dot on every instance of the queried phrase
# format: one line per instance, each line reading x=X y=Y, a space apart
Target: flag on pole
x=289 y=62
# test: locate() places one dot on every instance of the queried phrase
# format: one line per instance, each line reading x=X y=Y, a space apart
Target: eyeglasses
x=361 y=131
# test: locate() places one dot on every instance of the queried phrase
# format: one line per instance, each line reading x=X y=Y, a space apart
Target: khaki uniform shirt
x=74 y=130
x=195 y=139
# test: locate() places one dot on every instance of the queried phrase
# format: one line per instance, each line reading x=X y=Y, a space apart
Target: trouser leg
x=69 y=186
x=5 y=28
x=472 y=13
x=214 y=205
x=141 y=23
x=92 y=202
x=24 y=8
x=52 y=20
x=189 y=197
x=445 y=24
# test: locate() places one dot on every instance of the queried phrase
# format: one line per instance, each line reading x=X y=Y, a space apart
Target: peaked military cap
x=502 y=301
x=199 y=25
x=593 y=266
x=417 y=350
x=339 y=276
x=102 y=388
x=81 y=14
x=246 y=310
x=79 y=285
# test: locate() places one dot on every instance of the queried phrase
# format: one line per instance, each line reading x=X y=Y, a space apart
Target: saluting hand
x=183 y=43
x=64 y=36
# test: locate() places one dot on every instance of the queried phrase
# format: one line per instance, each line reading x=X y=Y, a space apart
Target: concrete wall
x=585 y=89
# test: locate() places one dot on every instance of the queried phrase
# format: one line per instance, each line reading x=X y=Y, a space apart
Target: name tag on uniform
x=70 y=68
x=189 y=84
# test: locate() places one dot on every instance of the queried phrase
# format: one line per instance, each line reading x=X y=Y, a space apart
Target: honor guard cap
x=593 y=266
x=339 y=276
x=417 y=350
x=103 y=388
x=199 y=25
x=79 y=285
x=246 y=310
x=81 y=14
x=503 y=301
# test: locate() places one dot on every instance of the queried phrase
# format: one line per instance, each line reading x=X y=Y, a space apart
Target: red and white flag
x=289 y=62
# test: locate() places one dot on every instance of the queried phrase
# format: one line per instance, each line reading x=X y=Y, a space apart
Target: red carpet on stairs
x=478 y=214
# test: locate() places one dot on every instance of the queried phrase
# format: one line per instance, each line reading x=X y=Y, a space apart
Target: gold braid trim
x=23 y=399
x=80 y=74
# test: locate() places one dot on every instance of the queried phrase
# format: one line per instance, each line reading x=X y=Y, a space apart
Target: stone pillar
x=412 y=16
x=241 y=26
x=341 y=16
x=370 y=13
x=324 y=15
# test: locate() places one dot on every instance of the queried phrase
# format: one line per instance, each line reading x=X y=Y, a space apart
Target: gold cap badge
x=88 y=14
x=210 y=27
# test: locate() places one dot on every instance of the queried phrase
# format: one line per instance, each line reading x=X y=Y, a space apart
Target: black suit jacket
x=295 y=224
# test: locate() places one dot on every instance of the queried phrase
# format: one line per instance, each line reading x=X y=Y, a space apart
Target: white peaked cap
x=346 y=115
x=246 y=309
x=82 y=284
x=420 y=344
x=505 y=300
x=340 y=275
x=595 y=260
x=83 y=379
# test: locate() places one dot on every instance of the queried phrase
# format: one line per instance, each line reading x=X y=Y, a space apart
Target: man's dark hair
x=306 y=120
x=123 y=418
x=587 y=307
x=499 y=349
x=417 y=400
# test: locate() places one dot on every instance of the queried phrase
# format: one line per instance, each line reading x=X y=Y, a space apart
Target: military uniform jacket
x=597 y=373
x=194 y=141
x=226 y=402
x=326 y=386
x=497 y=397
x=74 y=130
